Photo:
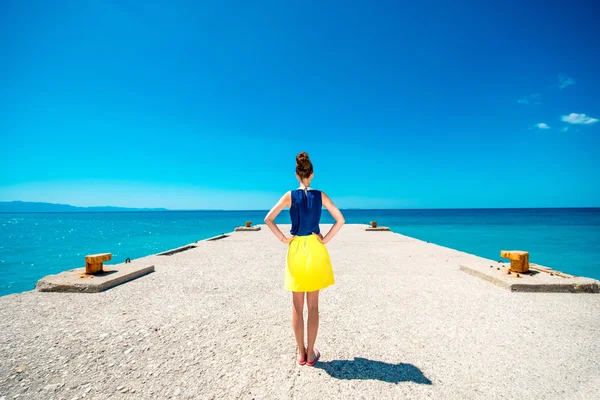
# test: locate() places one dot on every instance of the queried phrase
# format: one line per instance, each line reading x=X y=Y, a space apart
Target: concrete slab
x=76 y=280
x=177 y=250
x=191 y=245
x=539 y=279
x=247 y=229
x=369 y=228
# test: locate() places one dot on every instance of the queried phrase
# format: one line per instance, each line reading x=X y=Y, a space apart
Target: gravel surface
x=215 y=322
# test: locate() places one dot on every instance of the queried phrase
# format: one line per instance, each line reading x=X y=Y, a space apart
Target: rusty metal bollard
x=93 y=263
x=519 y=260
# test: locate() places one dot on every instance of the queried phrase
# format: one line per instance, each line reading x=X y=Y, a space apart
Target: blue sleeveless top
x=305 y=212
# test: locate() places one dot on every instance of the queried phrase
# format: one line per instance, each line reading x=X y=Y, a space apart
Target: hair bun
x=304 y=167
x=302 y=157
x=303 y=161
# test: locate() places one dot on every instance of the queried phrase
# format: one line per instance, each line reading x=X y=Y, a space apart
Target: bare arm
x=336 y=214
x=285 y=201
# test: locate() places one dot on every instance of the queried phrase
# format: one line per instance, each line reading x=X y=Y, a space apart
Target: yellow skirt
x=308 y=265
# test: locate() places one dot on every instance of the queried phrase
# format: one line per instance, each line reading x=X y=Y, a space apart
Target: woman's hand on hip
x=287 y=239
x=320 y=238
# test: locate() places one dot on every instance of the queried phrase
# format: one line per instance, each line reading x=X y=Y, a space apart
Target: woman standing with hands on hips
x=308 y=267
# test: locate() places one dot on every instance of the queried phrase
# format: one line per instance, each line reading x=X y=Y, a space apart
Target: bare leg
x=312 y=301
x=298 y=322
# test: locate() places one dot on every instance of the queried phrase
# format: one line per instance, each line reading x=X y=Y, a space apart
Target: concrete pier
x=213 y=322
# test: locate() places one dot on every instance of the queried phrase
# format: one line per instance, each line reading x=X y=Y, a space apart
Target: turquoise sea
x=33 y=245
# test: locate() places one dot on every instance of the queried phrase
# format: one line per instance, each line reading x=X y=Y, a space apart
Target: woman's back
x=305 y=211
x=308 y=266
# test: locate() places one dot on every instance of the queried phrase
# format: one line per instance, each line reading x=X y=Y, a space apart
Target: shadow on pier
x=362 y=368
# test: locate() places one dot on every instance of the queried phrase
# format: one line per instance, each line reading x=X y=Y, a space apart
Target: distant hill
x=23 y=206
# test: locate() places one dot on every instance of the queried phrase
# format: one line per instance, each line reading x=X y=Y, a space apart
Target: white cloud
x=564 y=129
x=574 y=118
x=541 y=125
x=564 y=81
x=534 y=98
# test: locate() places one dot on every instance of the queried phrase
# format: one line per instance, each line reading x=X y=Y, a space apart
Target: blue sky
x=186 y=104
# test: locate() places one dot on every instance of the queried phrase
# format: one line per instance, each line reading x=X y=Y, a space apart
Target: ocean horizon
x=134 y=210
x=33 y=245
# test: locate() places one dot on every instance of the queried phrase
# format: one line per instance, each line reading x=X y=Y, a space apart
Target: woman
x=308 y=267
